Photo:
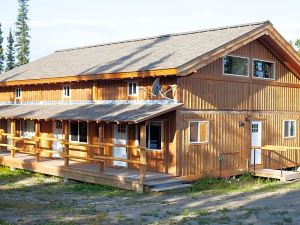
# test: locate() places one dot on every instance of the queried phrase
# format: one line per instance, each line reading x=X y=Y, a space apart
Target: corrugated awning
x=123 y=113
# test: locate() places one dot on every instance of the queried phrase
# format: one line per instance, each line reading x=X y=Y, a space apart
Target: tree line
x=17 y=49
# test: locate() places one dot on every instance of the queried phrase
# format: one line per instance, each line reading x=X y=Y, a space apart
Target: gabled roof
x=171 y=54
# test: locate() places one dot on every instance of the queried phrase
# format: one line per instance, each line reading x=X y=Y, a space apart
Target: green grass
x=243 y=183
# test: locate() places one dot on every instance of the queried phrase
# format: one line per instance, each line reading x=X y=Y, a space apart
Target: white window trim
x=20 y=93
x=63 y=91
x=198 y=135
x=236 y=75
x=87 y=133
x=263 y=78
x=161 y=137
x=137 y=88
x=21 y=129
x=283 y=124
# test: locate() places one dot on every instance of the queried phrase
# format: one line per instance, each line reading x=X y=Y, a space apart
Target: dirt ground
x=27 y=198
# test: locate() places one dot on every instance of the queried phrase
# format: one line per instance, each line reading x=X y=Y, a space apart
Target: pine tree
x=297 y=44
x=22 y=34
x=1 y=51
x=10 y=52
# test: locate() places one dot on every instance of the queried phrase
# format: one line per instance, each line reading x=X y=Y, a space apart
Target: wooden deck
x=277 y=174
x=82 y=171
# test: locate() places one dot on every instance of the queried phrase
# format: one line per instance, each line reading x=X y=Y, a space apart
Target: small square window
x=198 y=131
x=66 y=91
x=58 y=125
x=262 y=69
x=132 y=88
x=234 y=65
x=18 y=92
x=289 y=129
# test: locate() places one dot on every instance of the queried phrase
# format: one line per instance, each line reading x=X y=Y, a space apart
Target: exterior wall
x=209 y=89
x=83 y=91
x=226 y=101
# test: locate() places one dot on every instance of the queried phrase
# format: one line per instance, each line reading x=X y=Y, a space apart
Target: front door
x=57 y=133
x=256 y=142
x=120 y=137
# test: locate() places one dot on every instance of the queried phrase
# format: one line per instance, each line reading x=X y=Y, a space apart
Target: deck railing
x=278 y=150
x=68 y=146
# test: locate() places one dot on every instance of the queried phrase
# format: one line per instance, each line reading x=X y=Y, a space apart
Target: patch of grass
x=3 y=222
x=95 y=189
x=243 y=183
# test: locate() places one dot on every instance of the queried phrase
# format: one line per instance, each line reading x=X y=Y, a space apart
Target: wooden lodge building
x=90 y=113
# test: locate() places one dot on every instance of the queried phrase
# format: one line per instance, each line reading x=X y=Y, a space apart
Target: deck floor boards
x=83 y=171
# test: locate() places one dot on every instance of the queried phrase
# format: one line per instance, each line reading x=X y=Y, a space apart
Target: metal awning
x=120 y=113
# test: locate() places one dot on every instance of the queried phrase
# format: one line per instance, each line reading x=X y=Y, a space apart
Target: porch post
x=13 y=133
x=66 y=139
x=143 y=154
x=37 y=129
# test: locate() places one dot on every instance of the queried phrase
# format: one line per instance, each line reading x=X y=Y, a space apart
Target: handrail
x=99 y=158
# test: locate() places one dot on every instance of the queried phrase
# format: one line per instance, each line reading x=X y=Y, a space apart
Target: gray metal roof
x=161 y=52
x=126 y=113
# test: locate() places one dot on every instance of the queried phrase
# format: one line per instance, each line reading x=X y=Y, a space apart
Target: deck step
x=153 y=183
x=170 y=187
x=276 y=174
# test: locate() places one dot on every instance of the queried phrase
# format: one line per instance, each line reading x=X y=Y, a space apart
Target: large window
x=132 y=88
x=289 y=128
x=78 y=131
x=234 y=65
x=154 y=135
x=198 y=131
x=262 y=69
x=27 y=128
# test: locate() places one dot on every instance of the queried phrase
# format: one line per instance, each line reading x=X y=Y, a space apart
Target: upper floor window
x=18 y=92
x=289 y=129
x=66 y=91
x=263 y=69
x=132 y=88
x=235 y=65
x=198 y=131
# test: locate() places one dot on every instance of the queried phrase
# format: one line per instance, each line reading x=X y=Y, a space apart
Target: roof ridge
x=167 y=35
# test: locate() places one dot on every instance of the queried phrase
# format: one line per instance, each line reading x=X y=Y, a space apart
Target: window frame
x=22 y=131
x=63 y=91
x=20 y=92
x=283 y=129
x=198 y=135
x=78 y=140
x=237 y=75
x=267 y=61
x=128 y=89
x=161 y=136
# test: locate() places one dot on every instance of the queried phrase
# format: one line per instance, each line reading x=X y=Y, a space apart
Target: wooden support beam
x=13 y=132
x=143 y=154
x=66 y=128
x=95 y=91
x=37 y=129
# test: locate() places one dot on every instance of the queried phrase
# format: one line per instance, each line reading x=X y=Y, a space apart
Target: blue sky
x=57 y=24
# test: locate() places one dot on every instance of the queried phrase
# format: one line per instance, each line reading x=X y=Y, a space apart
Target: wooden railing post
x=1 y=137
x=13 y=133
x=143 y=154
x=37 y=129
x=66 y=139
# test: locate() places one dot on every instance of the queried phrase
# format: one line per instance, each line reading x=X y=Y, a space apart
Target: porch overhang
x=114 y=113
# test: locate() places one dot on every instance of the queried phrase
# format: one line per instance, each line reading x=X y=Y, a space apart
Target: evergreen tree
x=1 y=51
x=22 y=34
x=297 y=44
x=10 y=52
